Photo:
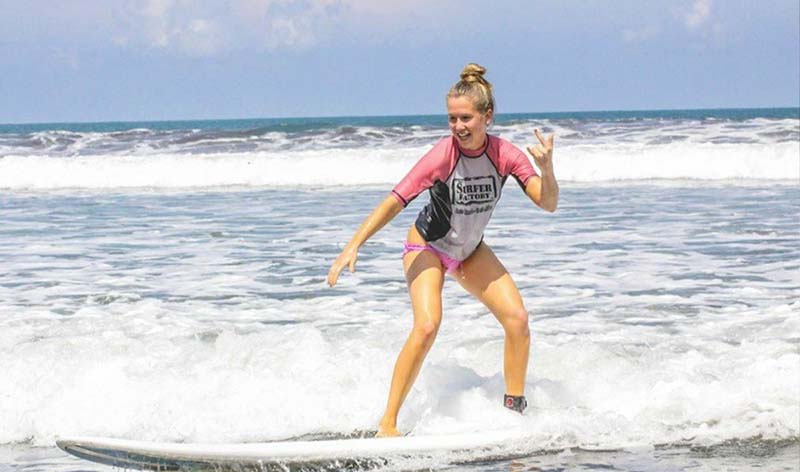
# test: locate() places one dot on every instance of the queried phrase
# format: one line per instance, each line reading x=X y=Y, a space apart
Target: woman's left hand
x=543 y=152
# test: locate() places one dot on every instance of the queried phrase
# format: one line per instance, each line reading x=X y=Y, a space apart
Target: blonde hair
x=474 y=86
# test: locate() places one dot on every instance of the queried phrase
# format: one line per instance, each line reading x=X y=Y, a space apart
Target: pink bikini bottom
x=450 y=265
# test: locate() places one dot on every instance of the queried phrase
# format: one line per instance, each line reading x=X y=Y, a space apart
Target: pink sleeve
x=510 y=160
x=435 y=165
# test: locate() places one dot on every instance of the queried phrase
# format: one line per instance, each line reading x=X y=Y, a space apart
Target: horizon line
x=297 y=117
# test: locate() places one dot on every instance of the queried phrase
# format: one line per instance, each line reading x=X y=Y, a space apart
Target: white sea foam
x=365 y=166
x=659 y=315
x=131 y=376
x=351 y=167
x=149 y=374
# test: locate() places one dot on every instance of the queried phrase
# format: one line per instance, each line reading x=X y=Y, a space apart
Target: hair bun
x=474 y=86
x=474 y=73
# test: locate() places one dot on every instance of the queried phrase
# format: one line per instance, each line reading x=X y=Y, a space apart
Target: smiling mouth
x=463 y=135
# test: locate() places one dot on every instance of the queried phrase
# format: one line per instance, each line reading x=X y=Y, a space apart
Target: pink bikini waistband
x=450 y=265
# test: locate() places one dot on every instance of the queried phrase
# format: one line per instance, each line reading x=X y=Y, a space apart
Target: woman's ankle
x=388 y=422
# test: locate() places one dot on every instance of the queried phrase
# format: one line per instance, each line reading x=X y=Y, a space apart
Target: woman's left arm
x=543 y=190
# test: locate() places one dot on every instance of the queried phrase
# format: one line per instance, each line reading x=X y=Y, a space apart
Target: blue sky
x=82 y=60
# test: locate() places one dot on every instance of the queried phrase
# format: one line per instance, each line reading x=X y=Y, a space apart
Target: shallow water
x=664 y=316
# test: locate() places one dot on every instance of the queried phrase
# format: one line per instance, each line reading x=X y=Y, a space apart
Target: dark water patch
x=278 y=322
x=667 y=139
x=738 y=455
x=289 y=295
x=666 y=325
x=108 y=299
x=781 y=135
x=596 y=246
x=748 y=447
x=719 y=277
x=674 y=308
x=731 y=140
x=63 y=311
x=221 y=234
x=209 y=336
x=683 y=292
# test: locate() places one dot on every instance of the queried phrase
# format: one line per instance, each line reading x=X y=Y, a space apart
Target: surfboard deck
x=333 y=454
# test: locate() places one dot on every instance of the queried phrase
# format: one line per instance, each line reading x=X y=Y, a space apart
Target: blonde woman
x=464 y=174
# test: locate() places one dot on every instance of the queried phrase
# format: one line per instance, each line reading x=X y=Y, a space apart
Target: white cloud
x=200 y=37
x=207 y=27
x=183 y=26
x=297 y=33
x=698 y=14
x=156 y=21
x=386 y=8
x=212 y=27
x=274 y=24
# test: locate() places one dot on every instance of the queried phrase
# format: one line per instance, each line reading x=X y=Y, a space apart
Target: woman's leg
x=425 y=277
x=484 y=276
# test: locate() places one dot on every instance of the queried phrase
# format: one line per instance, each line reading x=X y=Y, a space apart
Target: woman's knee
x=515 y=323
x=425 y=331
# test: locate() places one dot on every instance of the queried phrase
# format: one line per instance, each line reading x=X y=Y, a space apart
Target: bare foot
x=387 y=432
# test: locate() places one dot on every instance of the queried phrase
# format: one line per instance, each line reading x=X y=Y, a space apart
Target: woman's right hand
x=381 y=215
x=349 y=256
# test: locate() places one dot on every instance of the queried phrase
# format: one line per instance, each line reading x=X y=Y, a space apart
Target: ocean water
x=166 y=282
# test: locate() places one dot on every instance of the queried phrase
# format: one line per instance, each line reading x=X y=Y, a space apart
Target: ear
x=489 y=117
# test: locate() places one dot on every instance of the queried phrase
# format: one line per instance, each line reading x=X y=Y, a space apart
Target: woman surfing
x=464 y=174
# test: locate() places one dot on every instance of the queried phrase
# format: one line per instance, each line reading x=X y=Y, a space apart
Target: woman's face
x=466 y=123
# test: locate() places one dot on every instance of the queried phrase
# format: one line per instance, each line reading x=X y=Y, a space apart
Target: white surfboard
x=282 y=455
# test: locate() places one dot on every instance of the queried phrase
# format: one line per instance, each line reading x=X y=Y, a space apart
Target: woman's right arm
x=382 y=214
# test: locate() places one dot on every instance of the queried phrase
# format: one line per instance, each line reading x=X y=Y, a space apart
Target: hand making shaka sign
x=543 y=152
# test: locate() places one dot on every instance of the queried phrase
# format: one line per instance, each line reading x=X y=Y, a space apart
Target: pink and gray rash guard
x=464 y=187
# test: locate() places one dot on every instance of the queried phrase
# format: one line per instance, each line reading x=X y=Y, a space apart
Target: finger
x=353 y=265
x=336 y=270
x=539 y=136
x=550 y=139
x=333 y=276
x=536 y=152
